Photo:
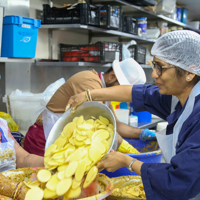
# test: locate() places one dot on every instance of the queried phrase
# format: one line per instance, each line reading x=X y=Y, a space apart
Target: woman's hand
x=112 y=161
x=75 y=101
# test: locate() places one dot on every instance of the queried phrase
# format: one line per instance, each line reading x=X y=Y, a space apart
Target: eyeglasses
x=159 y=68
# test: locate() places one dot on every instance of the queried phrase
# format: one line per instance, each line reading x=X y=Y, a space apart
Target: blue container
x=143 y=116
x=151 y=154
x=19 y=37
x=184 y=15
x=178 y=14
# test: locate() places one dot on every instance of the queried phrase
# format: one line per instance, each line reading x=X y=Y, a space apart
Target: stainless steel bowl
x=87 y=109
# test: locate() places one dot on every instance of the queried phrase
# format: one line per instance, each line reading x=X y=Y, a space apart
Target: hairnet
x=179 y=48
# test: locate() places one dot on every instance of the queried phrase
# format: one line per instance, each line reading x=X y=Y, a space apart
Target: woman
x=176 y=99
x=13 y=156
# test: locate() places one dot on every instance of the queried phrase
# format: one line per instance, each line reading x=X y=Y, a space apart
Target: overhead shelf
x=97 y=30
x=17 y=60
x=135 y=11
x=78 y=64
x=71 y=64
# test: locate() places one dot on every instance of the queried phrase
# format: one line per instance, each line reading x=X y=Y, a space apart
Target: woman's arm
x=122 y=93
x=116 y=160
x=24 y=159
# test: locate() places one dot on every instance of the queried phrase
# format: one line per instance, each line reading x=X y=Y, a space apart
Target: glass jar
x=142 y=26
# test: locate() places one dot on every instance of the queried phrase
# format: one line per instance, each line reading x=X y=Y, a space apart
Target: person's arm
x=125 y=130
x=122 y=93
x=116 y=160
x=25 y=159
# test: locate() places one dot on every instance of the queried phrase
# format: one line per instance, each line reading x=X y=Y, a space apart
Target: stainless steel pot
x=87 y=109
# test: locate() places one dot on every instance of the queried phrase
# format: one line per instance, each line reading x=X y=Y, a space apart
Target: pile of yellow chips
x=75 y=153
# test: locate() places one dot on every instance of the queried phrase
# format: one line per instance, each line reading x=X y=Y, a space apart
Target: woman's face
x=168 y=82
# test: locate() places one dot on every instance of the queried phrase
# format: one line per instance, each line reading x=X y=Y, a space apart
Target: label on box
x=26 y=26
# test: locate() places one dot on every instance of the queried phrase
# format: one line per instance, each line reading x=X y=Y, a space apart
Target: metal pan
x=87 y=109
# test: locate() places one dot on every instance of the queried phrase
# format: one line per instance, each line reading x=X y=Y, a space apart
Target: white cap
x=129 y=72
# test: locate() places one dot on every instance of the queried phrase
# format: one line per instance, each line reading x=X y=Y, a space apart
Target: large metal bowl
x=87 y=109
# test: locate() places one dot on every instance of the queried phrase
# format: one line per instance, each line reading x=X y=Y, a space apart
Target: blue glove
x=146 y=134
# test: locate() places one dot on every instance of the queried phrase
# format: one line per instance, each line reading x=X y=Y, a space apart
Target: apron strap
x=3 y=136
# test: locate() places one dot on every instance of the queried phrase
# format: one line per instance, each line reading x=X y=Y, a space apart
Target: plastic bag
x=48 y=93
x=49 y=119
x=125 y=52
x=11 y=123
x=165 y=6
x=7 y=150
x=50 y=90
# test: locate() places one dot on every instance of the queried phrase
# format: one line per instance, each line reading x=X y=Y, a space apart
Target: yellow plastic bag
x=11 y=123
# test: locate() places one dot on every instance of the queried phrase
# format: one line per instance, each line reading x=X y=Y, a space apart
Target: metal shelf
x=70 y=64
x=17 y=60
x=151 y=124
x=97 y=30
x=135 y=11
x=79 y=64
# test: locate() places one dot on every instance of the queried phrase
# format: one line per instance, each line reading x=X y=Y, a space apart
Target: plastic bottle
x=142 y=26
x=133 y=121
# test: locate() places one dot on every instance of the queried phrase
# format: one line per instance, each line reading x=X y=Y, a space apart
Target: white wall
x=66 y=37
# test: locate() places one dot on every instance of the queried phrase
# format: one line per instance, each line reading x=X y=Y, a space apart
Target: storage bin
x=143 y=2
x=129 y=25
x=82 y=13
x=150 y=153
x=23 y=110
x=138 y=53
x=143 y=116
x=98 y=52
x=110 y=17
x=19 y=37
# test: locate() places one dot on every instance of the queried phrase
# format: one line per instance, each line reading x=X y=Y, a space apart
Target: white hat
x=129 y=72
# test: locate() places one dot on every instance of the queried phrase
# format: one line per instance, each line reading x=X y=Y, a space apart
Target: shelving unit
x=94 y=31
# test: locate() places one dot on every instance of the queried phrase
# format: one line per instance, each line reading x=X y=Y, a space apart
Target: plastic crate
x=98 y=52
x=138 y=53
x=19 y=37
x=143 y=2
x=82 y=13
x=110 y=17
x=129 y=25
